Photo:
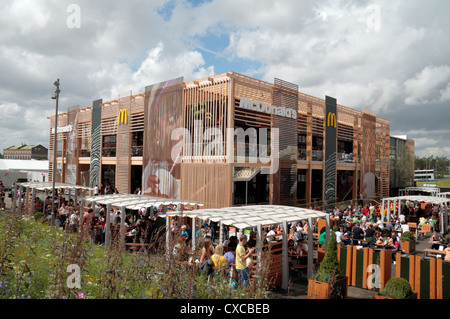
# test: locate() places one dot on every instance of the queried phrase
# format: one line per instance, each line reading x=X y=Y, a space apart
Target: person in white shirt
x=338 y=234
x=402 y=217
x=96 y=190
x=405 y=227
x=271 y=233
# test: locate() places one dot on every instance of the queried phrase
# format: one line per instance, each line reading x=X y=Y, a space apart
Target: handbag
x=207 y=267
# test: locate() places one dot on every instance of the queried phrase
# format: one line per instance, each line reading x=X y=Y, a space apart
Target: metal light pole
x=55 y=148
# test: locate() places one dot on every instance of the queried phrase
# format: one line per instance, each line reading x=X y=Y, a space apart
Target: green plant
x=407 y=236
x=329 y=267
x=447 y=237
x=398 y=288
x=38 y=216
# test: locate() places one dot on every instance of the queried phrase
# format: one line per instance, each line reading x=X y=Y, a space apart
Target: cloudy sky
x=392 y=57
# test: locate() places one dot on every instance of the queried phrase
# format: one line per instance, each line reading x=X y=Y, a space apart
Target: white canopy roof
x=49 y=185
x=250 y=216
x=24 y=165
x=426 y=199
x=132 y=201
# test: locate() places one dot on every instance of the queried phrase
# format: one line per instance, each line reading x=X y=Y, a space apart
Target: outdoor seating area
x=271 y=229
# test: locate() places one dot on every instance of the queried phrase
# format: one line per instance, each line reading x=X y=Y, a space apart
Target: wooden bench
x=433 y=253
x=426 y=228
x=412 y=227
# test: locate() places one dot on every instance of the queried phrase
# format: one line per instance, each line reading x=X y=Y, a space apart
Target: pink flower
x=80 y=295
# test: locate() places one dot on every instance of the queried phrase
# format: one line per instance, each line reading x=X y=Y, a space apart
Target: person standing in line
x=241 y=260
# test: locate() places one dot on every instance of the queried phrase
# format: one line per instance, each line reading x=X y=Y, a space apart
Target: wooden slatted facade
x=207 y=170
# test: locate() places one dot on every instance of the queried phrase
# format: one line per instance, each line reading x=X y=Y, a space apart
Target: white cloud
x=327 y=47
x=426 y=87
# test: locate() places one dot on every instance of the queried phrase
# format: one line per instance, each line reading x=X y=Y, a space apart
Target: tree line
x=440 y=164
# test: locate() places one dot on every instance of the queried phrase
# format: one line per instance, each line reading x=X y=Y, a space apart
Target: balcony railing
x=85 y=153
x=346 y=158
x=109 y=152
x=261 y=150
x=137 y=151
x=302 y=155
x=317 y=156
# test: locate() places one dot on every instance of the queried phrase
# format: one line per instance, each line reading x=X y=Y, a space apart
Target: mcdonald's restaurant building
x=225 y=140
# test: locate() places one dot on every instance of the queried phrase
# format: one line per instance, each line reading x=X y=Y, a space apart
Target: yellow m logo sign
x=331 y=119
x=123 y=117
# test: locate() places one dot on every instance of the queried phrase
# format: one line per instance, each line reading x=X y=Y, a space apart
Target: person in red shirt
x=366 y=210
x=88 y=224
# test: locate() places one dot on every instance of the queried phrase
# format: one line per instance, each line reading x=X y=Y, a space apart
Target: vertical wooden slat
x=349 y=265
x=439 y=292
x=417 y=275
x=353 y=265
x=412 y=272
x=365 y=265
x=433 y=278
x=398 y=265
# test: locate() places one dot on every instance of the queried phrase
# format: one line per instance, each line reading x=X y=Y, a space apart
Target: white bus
x=424 y=175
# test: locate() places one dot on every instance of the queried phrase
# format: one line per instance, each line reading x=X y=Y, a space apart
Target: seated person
x=379 y=241
x=302 y=249
x=180 y=249
x=447 y=253
x=347 y=237
x=358 y=233
x=434 y=241
x=389 y=242
x=322 y=235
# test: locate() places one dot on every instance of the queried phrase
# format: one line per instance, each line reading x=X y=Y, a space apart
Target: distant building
x=12 y=171
x=401 y=162
x=26 y=152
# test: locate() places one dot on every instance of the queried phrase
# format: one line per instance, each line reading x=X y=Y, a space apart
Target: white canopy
x=251 y=216
x=426 y=199
x=42 y=186
x=132 y=201
x=257 y=216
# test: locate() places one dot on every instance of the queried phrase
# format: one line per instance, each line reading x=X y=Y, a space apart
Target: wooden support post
x=365 y=265
x=353 y=265
x=398 y=264
x=412 y=269
x=349 y=265
x=417 y=275
x=370 y=263
x=385 y=267
x=433 y=278
x=439 y=277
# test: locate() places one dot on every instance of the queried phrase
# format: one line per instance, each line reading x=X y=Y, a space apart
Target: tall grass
x=34 y=261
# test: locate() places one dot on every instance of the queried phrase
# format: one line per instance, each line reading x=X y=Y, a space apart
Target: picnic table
x=433 y=253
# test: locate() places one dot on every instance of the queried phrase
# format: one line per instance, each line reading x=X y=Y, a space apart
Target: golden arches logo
x=123 y=116
x=331 y=119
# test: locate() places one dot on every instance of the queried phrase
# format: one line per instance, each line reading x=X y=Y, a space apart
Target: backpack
x=207 y=267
